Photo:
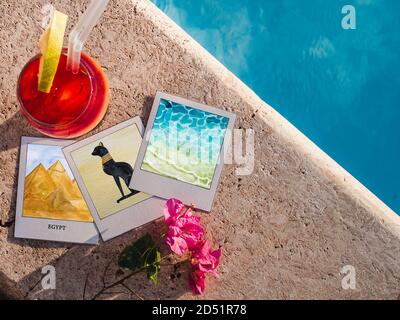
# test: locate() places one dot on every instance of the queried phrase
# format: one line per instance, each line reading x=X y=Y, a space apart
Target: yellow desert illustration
x=52 y=194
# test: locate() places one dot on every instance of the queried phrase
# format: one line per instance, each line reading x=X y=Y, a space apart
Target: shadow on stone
x=83 y=272
x=148 y=102
x=11 y=131
x=8 y=221
x=8 y=289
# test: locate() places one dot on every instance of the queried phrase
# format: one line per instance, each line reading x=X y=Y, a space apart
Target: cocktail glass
x=74 y=106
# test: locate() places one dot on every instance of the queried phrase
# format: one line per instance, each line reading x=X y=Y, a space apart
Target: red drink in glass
x=75 y=104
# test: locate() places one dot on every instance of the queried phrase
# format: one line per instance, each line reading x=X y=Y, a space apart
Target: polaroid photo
x=50 y=205
x=182 y=153
x=103 y=166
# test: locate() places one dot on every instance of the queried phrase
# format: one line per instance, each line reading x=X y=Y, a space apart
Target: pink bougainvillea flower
x=205 y=259
x=197 y=282
x=172 y=210
x=174 y=239
x=184 y=229
x=190 y=227
x=183 y=235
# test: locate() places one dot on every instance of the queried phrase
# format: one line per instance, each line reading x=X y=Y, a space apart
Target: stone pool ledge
x=286 y=230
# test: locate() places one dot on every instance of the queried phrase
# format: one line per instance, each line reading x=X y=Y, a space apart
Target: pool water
x=339 y=87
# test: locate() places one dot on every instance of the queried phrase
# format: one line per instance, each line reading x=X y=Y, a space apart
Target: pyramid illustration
x=38 y=186
x=61 y=179
x=52 y=194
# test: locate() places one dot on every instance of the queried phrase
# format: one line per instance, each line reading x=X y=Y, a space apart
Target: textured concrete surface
x=286 y=230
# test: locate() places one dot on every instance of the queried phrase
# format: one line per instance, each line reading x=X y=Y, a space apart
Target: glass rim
x=26 y=113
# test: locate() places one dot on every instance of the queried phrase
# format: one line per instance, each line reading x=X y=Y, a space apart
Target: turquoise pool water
x=185 y=143
x=340 y=87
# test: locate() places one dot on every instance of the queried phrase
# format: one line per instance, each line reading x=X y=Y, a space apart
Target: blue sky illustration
x=46 y=155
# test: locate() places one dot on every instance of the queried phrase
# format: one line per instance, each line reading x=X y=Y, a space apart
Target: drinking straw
x=81 y=32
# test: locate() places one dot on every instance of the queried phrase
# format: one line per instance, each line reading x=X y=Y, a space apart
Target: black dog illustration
x=118 y=170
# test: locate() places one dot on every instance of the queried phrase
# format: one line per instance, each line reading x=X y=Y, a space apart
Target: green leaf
x=133 y=257
x=154 y=268
x=142 y=254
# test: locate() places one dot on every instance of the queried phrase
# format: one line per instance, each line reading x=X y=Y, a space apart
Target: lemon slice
x=51 y=43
